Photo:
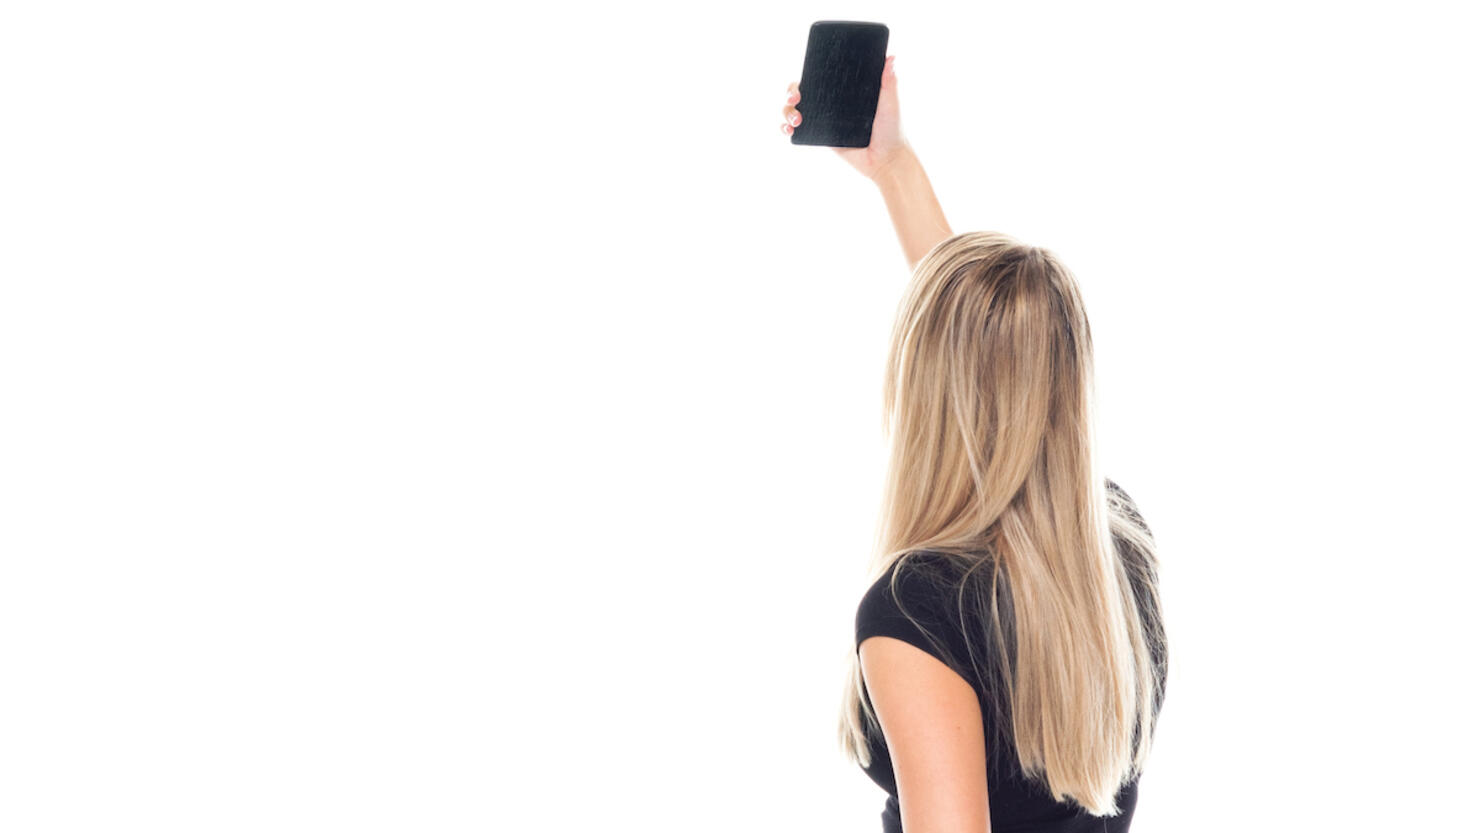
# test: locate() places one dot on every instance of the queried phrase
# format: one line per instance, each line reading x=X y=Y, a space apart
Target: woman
x=1010 y=655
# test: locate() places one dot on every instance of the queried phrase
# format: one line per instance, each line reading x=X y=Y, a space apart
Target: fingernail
x=793 y=118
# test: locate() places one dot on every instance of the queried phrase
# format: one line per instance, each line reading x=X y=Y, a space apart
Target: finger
x=791 y=114
x=786 y=128
x=794 y=88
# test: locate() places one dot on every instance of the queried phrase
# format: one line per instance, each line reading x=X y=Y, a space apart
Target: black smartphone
x=840 y=83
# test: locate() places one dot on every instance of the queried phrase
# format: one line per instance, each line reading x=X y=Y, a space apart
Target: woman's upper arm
x=932 y=723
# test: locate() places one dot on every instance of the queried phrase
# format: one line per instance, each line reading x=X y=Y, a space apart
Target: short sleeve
x=924 y=598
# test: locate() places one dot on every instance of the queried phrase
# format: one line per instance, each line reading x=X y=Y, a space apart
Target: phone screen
x=840 y=83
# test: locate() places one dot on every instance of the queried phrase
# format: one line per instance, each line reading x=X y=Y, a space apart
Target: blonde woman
x=1009 y=660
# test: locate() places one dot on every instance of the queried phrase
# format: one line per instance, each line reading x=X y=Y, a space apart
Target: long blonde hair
x=989 y=409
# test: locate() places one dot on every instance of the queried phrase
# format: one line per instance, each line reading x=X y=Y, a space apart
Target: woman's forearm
x=918 y=218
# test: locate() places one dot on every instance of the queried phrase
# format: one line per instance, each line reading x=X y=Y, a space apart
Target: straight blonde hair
x=989 y=411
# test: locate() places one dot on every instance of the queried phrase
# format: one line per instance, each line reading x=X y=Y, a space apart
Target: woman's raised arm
x=891 y=164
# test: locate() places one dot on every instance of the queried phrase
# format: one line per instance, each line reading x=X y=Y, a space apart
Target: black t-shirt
x=1016 y=803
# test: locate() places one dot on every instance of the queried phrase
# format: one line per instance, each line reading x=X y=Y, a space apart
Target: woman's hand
x=887 y=139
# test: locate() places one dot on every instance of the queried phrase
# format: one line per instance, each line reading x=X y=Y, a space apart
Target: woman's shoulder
x=1121 y=501
x=905 y=581
x=920 y=577
x=914 y=601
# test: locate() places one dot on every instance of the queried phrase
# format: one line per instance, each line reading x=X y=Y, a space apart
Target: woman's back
x=926 y=591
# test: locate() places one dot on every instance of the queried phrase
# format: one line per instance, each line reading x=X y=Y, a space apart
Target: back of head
x=990 y=373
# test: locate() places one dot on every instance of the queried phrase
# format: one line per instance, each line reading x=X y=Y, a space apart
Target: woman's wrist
x=887 y=172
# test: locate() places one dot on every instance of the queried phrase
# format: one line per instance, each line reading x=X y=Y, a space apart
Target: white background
x=452 y=416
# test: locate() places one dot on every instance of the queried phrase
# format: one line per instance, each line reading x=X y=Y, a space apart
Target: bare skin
x=890 y=163
x=932 y=724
